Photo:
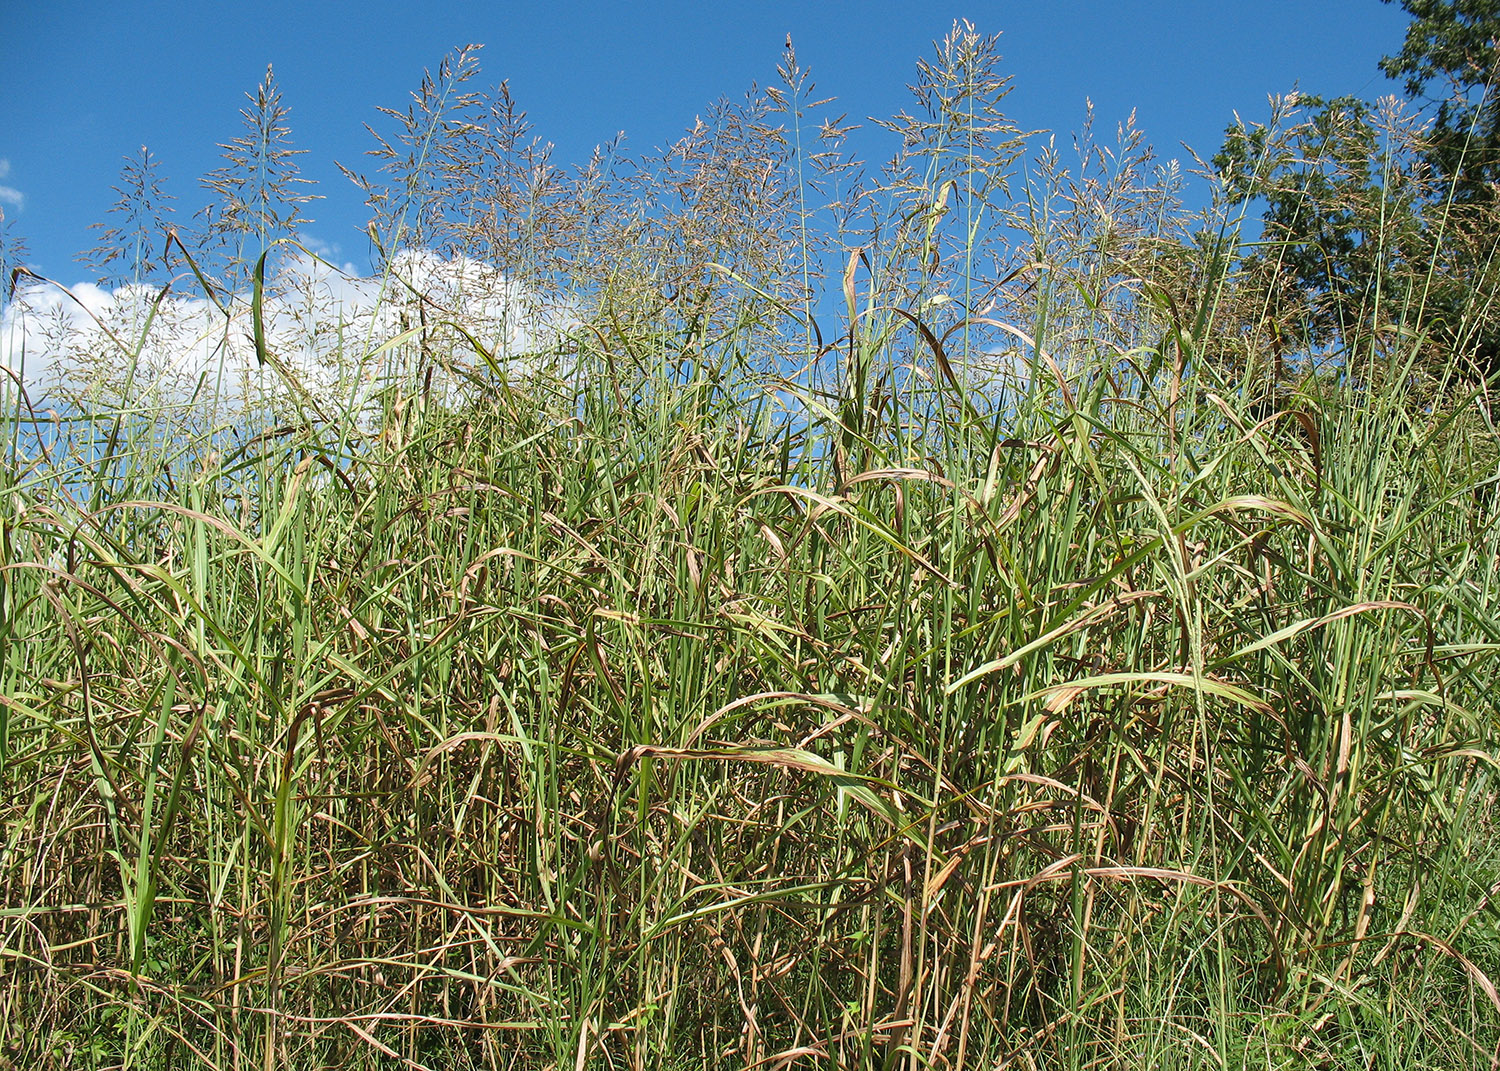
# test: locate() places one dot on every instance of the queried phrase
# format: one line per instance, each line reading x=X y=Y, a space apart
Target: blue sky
x=84 y=84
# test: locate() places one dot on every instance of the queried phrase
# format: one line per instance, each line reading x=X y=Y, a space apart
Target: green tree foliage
x=1455 y=42
x=1320 y=251
x=1379 y=219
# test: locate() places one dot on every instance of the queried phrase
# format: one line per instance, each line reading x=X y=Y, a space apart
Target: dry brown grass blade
x=375 y=1043
x=1064 y=870
x=1478 y=976
x=857 y=785
x=827 y=702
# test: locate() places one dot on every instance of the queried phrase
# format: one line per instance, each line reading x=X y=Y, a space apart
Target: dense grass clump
x=1019 y=674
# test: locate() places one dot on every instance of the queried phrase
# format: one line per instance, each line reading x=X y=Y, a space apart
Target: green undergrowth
x=1089 y=707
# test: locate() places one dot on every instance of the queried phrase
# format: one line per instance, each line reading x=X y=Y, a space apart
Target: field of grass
x=969 y=655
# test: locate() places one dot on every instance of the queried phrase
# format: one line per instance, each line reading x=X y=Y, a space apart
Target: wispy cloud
x=9 y=195
x=329 y=251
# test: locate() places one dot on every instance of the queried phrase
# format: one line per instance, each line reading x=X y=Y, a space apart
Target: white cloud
x=9 y=194
x=340 y=336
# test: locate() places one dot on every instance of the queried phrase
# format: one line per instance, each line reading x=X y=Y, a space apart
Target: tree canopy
x=1380 y=220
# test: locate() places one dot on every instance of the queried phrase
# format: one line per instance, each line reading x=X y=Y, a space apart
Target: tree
x=1320 y=251
x=1457 y=42
x=1374 y=218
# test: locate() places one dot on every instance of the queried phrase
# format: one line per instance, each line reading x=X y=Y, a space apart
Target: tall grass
x=993 y=679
